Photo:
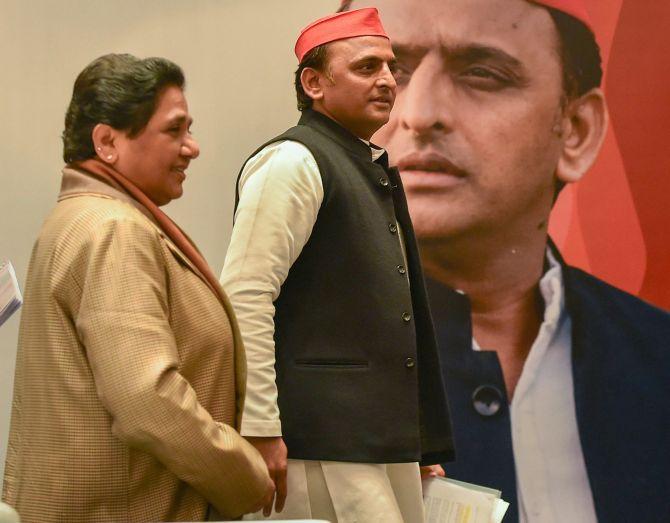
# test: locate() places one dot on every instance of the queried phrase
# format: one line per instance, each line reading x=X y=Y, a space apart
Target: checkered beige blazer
x=129 y=375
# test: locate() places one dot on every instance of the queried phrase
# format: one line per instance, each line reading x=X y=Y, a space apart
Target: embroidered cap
x=359 y=22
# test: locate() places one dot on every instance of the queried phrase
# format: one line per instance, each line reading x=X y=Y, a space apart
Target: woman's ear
x=104 y=141
x=583 y=127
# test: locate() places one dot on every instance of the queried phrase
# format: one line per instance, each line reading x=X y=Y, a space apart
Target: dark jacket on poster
x=358 y=375
x=621 y=373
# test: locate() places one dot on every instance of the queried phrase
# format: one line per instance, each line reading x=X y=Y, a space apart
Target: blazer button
x=401 y=269
x=383 y=182
x=409 y=363
x=406 y=317
x=487 y=400
x=393 y=228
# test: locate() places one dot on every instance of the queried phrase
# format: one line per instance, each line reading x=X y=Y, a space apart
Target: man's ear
x=312 y=83
x=583 y=127
x=105 y=142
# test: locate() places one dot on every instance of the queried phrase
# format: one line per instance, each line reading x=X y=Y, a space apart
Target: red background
x=614 y=222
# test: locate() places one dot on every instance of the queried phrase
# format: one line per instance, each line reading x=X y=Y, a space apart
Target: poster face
x=610 y=223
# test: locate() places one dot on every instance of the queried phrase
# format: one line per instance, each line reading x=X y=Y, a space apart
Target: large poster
x=612 y=222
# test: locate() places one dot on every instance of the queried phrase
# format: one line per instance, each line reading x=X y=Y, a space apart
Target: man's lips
x=429 y=170
x=429 y=162
x=385 y=99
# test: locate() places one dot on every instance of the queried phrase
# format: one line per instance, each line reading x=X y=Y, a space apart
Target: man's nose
x=426 y=104
x=386 y=78
x=190 y=147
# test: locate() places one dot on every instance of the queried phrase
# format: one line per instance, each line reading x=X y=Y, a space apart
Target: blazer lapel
x=75 y=183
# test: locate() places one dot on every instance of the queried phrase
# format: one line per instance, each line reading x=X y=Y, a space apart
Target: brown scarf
x=108 y=173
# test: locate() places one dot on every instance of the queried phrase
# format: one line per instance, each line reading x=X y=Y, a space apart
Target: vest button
x=487 y=400
x=401 y=269
x=406 y=317
x=409 y=363
x=393 y=228
x=383 y=182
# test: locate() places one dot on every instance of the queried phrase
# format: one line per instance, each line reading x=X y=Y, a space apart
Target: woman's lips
x=181 y=171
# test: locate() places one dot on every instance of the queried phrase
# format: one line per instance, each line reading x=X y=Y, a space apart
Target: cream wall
x=237 y=56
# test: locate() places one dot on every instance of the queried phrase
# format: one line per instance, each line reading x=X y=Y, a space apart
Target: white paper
x=457 y=502
x=10 y=294
x=500 y=506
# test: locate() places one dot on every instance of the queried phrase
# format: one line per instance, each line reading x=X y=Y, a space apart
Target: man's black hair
x=316 y=59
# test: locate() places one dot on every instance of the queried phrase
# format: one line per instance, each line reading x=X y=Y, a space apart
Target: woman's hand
x=274 y=453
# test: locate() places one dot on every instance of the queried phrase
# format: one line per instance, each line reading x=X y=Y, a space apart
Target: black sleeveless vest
x=358 y=374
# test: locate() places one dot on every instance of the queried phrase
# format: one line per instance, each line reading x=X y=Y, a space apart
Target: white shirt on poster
x=552 y=483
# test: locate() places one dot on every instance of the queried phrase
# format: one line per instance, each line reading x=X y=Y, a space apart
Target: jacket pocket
x=332 y=363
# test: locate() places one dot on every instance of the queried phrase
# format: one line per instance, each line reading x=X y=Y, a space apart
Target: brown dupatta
x=101 y=169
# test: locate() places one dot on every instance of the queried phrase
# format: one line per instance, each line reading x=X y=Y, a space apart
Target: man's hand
x=274 y=453
x=432 y=471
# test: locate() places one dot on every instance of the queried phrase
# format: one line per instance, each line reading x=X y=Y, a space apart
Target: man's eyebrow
x=462 y=53
x=373 y=58
x=476 y=52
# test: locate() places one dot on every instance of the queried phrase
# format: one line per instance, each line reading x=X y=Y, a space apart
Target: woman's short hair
x=119 y=90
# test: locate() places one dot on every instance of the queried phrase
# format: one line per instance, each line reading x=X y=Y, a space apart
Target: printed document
x=10 y=294
x=451 y=501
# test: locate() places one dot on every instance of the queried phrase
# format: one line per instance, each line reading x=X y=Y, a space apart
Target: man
x=558 y=391
x=323 y=256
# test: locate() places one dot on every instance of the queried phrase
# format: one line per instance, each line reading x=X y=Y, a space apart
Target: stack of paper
x=10 y=294
x=449 y=501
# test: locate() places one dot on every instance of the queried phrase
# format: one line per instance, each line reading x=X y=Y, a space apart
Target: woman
x=130 y=370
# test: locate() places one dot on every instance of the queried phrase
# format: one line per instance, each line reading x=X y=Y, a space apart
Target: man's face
x=474 y=129
x=358 y=84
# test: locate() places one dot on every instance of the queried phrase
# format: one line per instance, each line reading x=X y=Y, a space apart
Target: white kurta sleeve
x=280 y=193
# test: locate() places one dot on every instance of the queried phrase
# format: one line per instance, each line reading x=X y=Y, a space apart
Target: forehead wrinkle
x=467 y=52
x=376 y=49
x=408 y=49
x=436 y=21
